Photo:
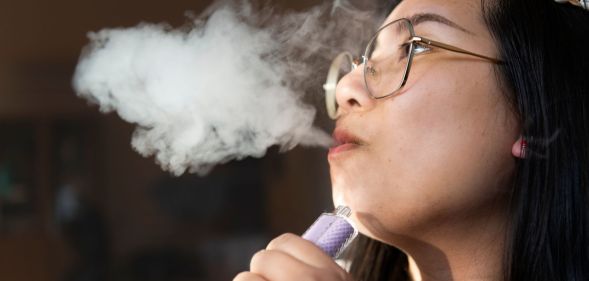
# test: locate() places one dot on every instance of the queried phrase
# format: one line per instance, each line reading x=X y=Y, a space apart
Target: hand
x=290 y=257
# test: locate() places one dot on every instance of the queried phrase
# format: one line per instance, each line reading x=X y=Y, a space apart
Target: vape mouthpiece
x=332 y=232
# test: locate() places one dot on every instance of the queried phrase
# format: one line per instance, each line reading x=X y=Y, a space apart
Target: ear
x=519 y=148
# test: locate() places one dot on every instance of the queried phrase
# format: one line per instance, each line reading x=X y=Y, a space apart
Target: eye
x=421 y=48
x=418 y=49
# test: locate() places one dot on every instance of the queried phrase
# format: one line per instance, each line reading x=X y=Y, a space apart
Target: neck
x=464 y=250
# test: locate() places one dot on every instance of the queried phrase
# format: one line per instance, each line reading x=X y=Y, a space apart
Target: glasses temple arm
x=452 y=48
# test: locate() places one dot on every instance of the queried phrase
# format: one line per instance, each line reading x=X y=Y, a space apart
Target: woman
x=462 y=148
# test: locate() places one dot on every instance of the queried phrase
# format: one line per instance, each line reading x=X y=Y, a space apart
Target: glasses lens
x=345 y=65
x=387 y=59
x=341 y=65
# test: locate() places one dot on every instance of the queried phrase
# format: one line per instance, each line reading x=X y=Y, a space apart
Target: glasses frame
x=333 y=74
x=413 y=41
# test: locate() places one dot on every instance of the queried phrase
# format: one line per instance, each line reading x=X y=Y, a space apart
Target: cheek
x=453 y=115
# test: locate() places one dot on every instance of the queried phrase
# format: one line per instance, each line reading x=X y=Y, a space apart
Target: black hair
x=545 y=47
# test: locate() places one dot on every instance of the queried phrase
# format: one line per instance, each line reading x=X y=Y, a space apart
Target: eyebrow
x=425 y=17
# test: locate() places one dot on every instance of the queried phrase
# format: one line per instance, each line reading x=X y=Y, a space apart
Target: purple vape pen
x=332 y=232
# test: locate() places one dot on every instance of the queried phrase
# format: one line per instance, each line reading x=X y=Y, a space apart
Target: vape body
x=332 y=232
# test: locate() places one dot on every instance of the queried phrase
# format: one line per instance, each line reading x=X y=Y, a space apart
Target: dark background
x=77 y=203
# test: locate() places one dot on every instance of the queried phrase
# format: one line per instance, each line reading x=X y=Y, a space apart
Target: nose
x=351 y=94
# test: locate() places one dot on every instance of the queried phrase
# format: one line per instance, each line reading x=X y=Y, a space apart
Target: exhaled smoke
x=228 y=87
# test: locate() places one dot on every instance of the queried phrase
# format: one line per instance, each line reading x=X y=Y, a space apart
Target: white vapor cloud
x=228 y=86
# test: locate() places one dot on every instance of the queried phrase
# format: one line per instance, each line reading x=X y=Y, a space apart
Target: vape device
x=332 y=232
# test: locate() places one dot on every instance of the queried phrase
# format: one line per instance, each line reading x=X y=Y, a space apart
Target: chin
x=371 y=226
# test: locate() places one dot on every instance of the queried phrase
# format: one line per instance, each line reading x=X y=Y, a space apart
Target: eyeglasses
x=386 y=66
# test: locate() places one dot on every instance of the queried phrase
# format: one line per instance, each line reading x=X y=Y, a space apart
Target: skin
x=433 y=166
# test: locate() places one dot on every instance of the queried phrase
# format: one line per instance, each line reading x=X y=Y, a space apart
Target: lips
x=344 y=141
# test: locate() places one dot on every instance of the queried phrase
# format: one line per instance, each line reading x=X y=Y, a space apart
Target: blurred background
x=77 y=203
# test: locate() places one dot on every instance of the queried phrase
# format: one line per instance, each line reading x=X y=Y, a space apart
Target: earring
x=523 y=148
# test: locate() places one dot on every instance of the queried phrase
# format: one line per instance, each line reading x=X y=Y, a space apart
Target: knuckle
x=243 y=276
x=258 y=259
x=280 y=240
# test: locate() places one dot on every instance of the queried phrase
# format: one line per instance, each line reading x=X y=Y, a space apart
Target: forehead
x=466 y=13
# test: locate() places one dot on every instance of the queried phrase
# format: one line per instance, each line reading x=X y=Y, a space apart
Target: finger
x=277 y=265
x=302 y=249
x=248 y=276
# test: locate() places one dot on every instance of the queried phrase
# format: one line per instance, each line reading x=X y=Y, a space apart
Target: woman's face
x=436 y=154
